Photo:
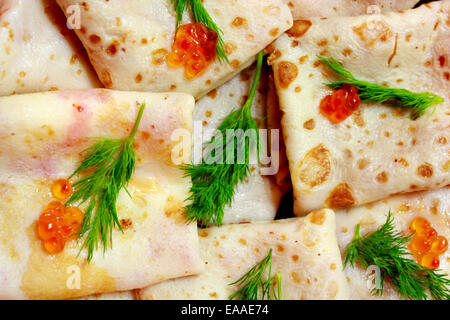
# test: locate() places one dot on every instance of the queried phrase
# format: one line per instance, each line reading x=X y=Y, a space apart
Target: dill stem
x=357 y=236
x=278 y=275
x=255 y=82
x=138 y=121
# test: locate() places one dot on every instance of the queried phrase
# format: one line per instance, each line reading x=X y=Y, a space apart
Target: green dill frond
x=111 y=162
x=386 y=249
x=371 y=92
x=254 y=287
x=213 y=184
x=201 y=15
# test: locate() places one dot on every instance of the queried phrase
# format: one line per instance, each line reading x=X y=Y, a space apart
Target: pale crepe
x=38 y=52
x=128 y=41
x=330 y=8
x=41 y=137
x=379 y=151
x=305 y=252
x=432 y=205
x=259 y=196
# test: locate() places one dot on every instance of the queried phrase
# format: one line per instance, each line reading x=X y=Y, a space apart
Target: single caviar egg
x=339 y=105
x=50 y=219
x=54 y=245
x=439 y=245
x=430 y=260
x=61 y=189
x=194 y=47
x=194 y=67
x=55 y=206
x=48 y=225
x=175 y=59
x=419 y=226
x=430 y=234
x=418 y=255
x=73 y=218
x=420 y=244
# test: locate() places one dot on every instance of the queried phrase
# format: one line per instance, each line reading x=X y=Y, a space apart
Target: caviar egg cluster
x=426 y=245
x=339 y=105
x=58 y=223
x=194 y=48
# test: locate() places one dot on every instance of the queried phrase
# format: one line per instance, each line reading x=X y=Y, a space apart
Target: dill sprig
x=386 y=249
x=253 y=284
x=201 y=15
x=367 y=91
x=213 y=184
x=111 y=162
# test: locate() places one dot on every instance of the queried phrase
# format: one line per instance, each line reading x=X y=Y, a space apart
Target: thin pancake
x=41 y=137
x=129 y=51
x=39 y=53
x=379 y=151
x=432 y=205
x=305 y=252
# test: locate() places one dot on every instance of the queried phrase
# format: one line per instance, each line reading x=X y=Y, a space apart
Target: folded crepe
x=124 y=295
x=129 y=51
x=330 y=8
x=39 y=53
x=379 y=150
x=258 y=197
x=41 y=138
x=305 y=253
x=431 y=205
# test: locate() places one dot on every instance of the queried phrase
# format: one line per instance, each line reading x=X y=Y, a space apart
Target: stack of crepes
x=62 y=84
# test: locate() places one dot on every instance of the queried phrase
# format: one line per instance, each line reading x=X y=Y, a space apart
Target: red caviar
x=57 y=223
x=339 y=105
x=430 y=260
x=426 y=245
x=194 y=47
x=439 y=245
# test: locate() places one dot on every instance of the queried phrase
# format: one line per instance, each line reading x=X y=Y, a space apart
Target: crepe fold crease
x=258 y=197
